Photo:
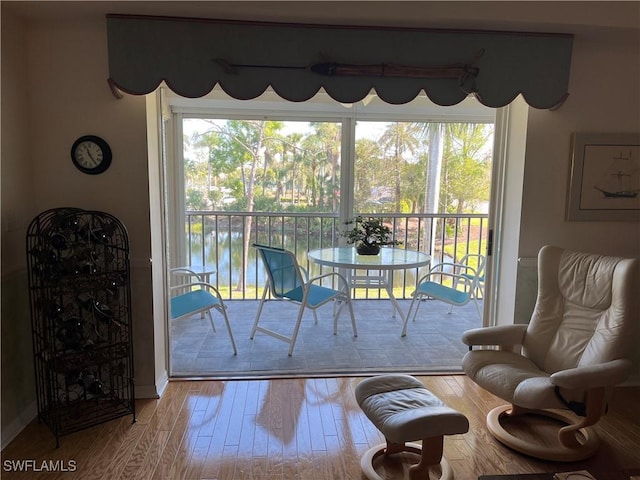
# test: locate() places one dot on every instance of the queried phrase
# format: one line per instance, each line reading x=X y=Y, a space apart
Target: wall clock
x=91 y=154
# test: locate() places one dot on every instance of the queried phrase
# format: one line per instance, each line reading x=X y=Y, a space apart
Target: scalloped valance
x=193 y=55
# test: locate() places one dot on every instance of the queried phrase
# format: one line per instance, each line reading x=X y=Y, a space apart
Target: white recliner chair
x=564 y=363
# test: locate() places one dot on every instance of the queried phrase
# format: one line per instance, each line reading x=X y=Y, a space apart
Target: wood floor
x=306 y=429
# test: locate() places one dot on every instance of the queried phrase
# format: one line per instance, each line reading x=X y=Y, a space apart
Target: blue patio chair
x=189 y=298
x=439 y=283
x=286 y=280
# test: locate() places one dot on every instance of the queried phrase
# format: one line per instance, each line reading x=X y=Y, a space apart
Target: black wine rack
x=80 y=299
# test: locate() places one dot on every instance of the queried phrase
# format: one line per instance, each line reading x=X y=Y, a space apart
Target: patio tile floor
x=432 y=344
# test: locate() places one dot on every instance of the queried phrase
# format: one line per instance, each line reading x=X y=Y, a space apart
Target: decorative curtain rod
x=466 y=73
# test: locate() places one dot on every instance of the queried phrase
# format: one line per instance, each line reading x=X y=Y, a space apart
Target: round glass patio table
x=388 y=260
x=204 y=272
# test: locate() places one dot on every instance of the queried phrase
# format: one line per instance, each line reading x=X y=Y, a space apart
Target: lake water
x=225 y=251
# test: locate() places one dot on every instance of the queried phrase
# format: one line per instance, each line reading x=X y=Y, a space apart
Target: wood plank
x=180 y=465
x=167 y=455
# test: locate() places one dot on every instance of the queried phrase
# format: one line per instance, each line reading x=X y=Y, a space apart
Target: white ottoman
x=402 y=408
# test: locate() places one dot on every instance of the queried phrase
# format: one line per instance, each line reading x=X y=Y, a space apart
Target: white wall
x=17 y=206
x=17 y=169
x=604 y=98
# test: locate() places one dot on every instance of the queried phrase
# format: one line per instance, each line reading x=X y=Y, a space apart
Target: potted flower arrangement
x=369 y=234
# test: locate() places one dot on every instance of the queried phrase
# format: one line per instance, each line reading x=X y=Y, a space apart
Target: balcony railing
x=217 y=239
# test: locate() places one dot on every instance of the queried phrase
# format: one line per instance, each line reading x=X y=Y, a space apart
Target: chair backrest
x=179 y=280
x=585 y=312
x=282 y=269
x=475 y=260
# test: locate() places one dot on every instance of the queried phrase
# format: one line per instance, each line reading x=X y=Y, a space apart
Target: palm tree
x=398 y=139
x=434 y=133
x=468 y=165
x=369 y=171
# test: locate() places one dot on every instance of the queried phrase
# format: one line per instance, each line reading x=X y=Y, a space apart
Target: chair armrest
x=456 y=278
x=605 y=374
x=458 y=273
x=305 y=273
x=456 y=268
x=341 y=278
x=500 y=335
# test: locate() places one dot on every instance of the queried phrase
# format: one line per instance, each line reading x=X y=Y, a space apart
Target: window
x=290 y=174
x=261 y=165
x=410 y=167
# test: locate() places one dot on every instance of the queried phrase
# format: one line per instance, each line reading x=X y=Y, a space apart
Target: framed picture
x=605 y=178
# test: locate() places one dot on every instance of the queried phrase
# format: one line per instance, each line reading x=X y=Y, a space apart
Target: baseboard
x=153 y=391
x=162 y=383
x=11 y=431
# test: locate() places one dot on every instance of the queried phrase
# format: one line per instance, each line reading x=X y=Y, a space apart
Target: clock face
x=91 y=154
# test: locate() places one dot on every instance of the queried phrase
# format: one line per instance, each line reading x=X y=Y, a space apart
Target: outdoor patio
x=432 y=344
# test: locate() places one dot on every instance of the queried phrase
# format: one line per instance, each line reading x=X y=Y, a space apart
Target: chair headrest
x=268 y=247
x=586 y=279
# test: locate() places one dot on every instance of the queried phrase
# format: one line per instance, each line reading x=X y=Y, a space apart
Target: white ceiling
x=546 y=16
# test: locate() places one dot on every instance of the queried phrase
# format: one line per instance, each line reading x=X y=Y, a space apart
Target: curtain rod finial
x=115 y=91
x=560 y=102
